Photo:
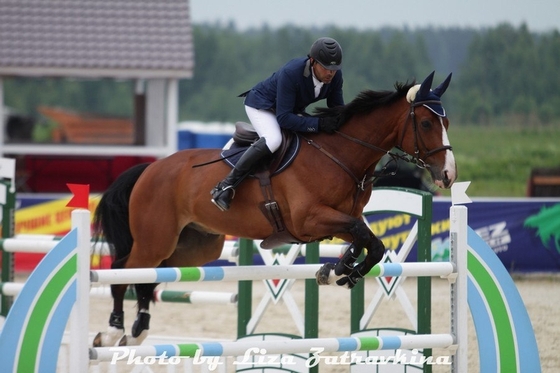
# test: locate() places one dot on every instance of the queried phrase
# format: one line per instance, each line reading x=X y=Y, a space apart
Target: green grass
x=498 y=159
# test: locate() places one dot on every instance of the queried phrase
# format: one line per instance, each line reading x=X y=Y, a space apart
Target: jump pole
x=272 y=347
x=253 y=273
x=168 y=296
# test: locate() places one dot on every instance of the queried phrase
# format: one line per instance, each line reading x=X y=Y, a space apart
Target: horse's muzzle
x=445 y=179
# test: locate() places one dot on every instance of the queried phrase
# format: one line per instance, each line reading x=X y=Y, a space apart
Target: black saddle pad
x=232 y=155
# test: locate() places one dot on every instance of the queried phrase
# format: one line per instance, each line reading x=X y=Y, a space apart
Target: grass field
x=498 y=159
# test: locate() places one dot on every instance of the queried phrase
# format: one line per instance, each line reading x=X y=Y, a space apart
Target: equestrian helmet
x=327 y=52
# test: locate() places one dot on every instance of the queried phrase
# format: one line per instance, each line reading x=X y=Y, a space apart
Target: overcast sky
x=539 y=15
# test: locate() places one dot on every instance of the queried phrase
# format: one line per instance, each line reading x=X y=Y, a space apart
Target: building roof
x=96 y=38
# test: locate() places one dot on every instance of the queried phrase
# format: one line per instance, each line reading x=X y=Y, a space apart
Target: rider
x=280 y=102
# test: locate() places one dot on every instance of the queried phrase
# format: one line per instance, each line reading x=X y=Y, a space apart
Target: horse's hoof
x=123 y=341
x=128 y=340
x=109 y=338
x=322 y=275
x=97 y=341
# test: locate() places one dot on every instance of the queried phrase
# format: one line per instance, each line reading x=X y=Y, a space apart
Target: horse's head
x=425 y=133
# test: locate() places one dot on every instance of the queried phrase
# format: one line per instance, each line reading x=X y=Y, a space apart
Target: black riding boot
x=223 y=193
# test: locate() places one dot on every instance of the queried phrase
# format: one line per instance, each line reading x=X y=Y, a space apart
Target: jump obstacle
x=41 y=311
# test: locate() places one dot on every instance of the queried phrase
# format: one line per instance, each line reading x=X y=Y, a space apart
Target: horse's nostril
x=446 y=180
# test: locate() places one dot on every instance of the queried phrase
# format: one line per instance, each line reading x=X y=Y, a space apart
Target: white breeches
x=266 y=125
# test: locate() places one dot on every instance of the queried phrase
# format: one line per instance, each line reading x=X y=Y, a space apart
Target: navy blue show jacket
x=290 y=90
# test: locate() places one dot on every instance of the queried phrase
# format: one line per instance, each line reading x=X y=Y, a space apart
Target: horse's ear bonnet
x=425 y=93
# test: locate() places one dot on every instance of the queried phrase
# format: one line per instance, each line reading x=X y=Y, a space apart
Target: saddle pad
x=232 y=155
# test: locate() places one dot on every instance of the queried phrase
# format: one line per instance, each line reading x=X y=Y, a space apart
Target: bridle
x=419 y=162
x=414 y=159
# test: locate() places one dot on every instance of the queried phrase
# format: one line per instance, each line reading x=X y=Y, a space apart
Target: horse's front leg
x=344 y=272
x=375 y=252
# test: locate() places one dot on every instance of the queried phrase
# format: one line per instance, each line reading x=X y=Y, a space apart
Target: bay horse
x=160 y=215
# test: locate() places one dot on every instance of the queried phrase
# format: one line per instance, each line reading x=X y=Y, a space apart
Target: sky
x=538 y=15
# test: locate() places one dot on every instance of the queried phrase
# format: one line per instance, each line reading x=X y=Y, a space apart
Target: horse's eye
x=426 y=124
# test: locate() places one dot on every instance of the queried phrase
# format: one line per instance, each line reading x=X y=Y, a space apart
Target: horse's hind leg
x=139 y=257
x=193 y=248
x=115 y=331
x=144 y=292
x=141 y=325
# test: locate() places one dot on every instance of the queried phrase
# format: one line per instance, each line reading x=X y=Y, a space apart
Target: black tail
x=111 y=216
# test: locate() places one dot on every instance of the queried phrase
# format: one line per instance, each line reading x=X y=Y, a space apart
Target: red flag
x=81 y=196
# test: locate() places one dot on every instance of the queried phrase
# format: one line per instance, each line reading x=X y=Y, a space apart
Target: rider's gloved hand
x=329 y=124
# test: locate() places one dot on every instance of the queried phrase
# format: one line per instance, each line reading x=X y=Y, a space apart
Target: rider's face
x=323 y=74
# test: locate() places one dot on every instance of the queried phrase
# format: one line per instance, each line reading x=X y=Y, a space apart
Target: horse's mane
x=365 y=102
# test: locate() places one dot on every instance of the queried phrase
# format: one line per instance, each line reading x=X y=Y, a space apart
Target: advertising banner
x=523 y=232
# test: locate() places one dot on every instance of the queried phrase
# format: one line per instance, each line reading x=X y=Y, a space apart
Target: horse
x=160 y=214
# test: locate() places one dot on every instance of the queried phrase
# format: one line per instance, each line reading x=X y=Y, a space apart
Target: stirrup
x=217 y=192
x=219 y=189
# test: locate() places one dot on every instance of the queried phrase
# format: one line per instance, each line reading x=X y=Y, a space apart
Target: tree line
x=504 y=74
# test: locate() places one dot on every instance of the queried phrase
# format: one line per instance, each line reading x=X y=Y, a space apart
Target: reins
x=414 y=159
x=360 y=183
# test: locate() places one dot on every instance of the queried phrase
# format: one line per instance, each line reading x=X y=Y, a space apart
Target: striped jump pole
x=44 y=244
x=252 y=273
x=167 y=296
x=286 y=346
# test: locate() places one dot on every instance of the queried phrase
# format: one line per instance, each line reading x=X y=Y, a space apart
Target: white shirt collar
x=316 y=83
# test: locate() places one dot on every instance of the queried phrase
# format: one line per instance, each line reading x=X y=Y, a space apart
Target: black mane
x=365 y=102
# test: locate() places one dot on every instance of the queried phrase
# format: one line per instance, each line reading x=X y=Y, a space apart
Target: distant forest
x=501 y=76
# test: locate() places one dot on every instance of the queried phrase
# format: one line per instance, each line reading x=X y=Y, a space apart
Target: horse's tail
x=111 y=215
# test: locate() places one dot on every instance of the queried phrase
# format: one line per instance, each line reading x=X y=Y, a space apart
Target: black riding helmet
x=327 y=52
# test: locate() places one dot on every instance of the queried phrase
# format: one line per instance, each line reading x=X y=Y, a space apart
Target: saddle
x=243 y=137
